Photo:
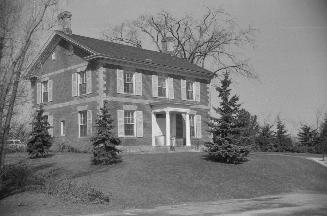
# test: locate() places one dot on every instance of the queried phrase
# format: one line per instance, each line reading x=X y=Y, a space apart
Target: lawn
x=147 y=180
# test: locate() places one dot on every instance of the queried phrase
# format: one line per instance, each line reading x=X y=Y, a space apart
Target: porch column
x=153 y=135
x=188 y=131
x=167 y=128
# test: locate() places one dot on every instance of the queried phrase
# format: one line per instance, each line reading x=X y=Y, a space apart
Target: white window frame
x=133 y=82
x=42 y=91
x=80 y=123
x=79 y=82
x=134 y=123
x=193 y=96
x=62 y=127
x=166 y=86
x=53 y=56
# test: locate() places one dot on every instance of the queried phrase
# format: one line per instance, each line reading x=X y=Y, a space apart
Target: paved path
x=284 y=204
x=319 y=160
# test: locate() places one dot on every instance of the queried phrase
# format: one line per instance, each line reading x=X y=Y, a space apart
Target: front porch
x=171 y=126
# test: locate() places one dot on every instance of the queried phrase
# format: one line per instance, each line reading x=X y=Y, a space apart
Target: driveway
x=283 y=204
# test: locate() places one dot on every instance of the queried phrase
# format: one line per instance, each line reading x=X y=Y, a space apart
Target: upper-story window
x=162 y=86
x=82 y=82
x=45 y=91
x=53 y=56
x=128 y=82
x=189 y=90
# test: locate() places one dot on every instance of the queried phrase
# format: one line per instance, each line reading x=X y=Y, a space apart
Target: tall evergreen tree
x=104 y=142
x=249 y=127
x=266 y=138
x=40 y=140
x=323 y=137
x=307 y=135
x=225 y=146
x=283 y=141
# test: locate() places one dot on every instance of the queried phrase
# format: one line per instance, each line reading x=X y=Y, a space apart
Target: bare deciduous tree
x=20 y=21
x=211 y=41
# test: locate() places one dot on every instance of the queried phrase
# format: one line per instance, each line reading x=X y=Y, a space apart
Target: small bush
x=40 y=140
x=67 y=190
x=227 y=153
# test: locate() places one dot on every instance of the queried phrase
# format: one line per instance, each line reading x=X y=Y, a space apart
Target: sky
x=289 y=56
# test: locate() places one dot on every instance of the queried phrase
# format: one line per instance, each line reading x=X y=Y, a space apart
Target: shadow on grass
x=95 y=169
x=19 y=177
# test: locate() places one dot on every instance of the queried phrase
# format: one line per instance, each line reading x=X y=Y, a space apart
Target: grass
x=146 y=180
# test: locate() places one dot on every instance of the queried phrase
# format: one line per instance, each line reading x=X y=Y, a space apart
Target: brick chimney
x=167 y=44
x=64 y=20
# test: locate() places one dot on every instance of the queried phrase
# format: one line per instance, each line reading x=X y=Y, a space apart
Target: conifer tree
x=40 y=140
x=307 y=136
x=323 y=138
x=266 y=138
x=283 y=141
x=249 y=127
x=104 y=142
x=226 y=146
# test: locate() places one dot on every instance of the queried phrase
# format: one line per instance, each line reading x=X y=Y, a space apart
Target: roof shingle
x=121 y=51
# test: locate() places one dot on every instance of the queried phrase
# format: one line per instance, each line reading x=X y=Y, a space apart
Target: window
x=53 y=56
x=82 y=82
x=128 y=82
x=83 y=123
x=62 y=128
x=45 y=91
x=162 y=87
x=192 y=131
x=189 y=90
x=45 y=118
x=129 y=123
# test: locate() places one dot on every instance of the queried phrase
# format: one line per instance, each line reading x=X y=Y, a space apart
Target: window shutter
x=89 y=123
x=74 y=84
x=120 y=120
x=120 y=81
x=50 y=83
x=138 y=83
x=154 y=85
x=88 y=82
x=198 y=126
x=170 y=88
x=50 y=121
x=78 y=123
x=183 y=89
x=197 y=91
x=139 y=123
x=38 y=93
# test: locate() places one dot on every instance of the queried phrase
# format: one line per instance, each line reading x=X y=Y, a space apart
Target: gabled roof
x=104 y=49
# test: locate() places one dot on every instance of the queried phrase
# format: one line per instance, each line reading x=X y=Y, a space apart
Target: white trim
x=63 y=70
x=152 y=132
x=62 y=127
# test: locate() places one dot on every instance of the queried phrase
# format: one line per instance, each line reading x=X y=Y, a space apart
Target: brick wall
x=147 y=123
x=111 y=87
x=70 y=115
x=62 y=94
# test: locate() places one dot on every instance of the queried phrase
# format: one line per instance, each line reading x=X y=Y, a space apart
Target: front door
x=180 y=141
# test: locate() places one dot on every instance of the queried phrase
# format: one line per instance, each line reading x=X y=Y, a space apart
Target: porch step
x=158 y=149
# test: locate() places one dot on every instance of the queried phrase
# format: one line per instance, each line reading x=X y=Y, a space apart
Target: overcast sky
x=290 y=54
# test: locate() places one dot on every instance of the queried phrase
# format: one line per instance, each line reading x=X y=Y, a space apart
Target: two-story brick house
x=153 y=96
